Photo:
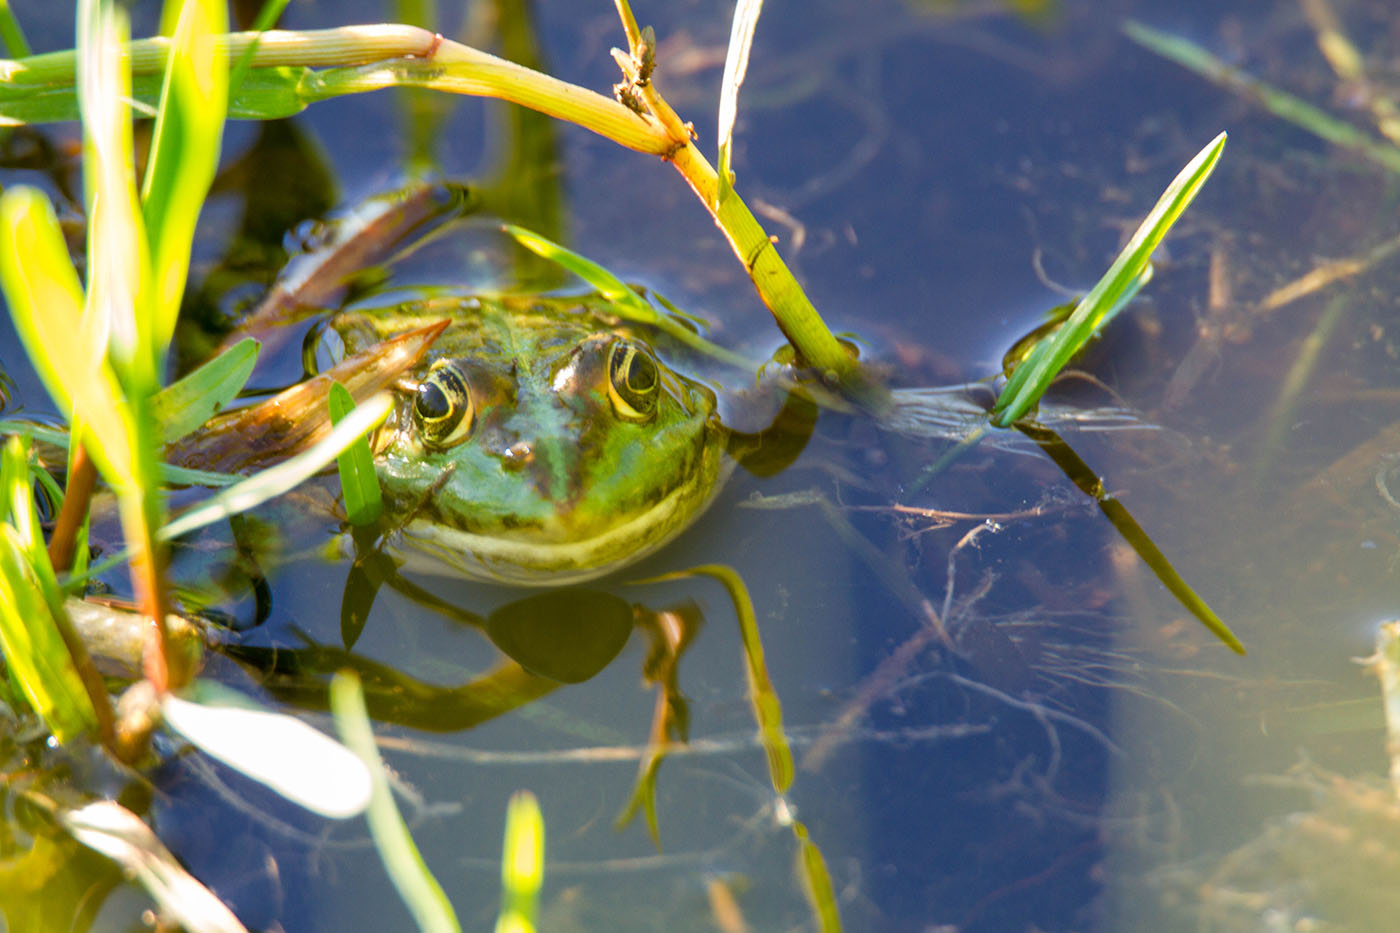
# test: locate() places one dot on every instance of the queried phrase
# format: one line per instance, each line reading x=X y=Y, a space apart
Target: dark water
x=1087 y=757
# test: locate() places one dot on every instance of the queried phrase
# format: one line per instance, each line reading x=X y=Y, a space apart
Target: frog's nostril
x=517 y=455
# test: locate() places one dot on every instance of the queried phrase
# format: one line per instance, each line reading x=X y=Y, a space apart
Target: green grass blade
x=274 y=481
x=820 y=893
x=1030 y=380
x=1281 y=104
x=33 y=645
x=11 y=33
x=267 y=17
x=118 y=267
x=184 y=405
x=46 y=303
x=358 y=482
x=184 y=151
x=522 y=864
x=626 y=303
x=736 y=64
x=416 y=885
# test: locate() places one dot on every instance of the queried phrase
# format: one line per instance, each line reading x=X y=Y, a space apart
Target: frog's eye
x=442 y=406
x=634 y=383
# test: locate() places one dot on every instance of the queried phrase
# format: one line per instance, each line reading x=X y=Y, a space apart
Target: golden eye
x=442 y=406
x=634 y=383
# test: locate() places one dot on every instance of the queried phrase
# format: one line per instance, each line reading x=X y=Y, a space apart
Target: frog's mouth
x=520 y=561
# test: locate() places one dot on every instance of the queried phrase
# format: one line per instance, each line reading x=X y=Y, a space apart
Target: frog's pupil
x=432 y=403
x=641 y=378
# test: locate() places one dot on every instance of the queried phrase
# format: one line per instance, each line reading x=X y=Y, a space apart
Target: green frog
x=540 y=441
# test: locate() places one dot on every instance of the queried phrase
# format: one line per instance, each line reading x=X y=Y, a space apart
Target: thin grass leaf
x=1030 y=380
x=402 y=860
x=11 y=33
x=626 y=303
x=118 y=266
x=358 y=482
x=267 y=17
x=184 y=150
x=117 y=833
x=187 y=404
x=33 y=645
x=277 y=480
x=1280 y=103
x=301 y=763
x=736 y=64
x=46 y=302
x=820 y=893
x=522 y=864
x=65 y=659
x=34 y=653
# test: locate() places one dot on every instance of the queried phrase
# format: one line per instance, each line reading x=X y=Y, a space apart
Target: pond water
x=1071 y=750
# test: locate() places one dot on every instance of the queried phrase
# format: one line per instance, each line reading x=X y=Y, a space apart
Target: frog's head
x=549 y=459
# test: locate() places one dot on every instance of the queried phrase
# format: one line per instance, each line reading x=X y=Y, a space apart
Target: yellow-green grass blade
x=736 y=64
x=11 y=33
x=820 y=893
x=46 y=302
x=34 y=648
x=626 y=303
x=191 y=401
x=522 y=864
x=117 y=260
x=184 y=151
x=1030 y=380
x=402 y=860
x=358 y=483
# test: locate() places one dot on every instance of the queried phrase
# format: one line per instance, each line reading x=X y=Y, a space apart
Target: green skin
x=551 y=484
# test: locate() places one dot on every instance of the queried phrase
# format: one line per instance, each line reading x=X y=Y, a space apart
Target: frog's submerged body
x=541 y=442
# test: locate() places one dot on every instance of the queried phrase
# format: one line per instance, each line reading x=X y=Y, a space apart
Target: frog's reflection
x=548 y=639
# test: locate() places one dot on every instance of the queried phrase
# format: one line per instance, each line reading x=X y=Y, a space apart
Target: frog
x=540 y=441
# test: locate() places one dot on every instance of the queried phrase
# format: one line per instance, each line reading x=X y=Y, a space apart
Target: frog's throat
x=518 y=562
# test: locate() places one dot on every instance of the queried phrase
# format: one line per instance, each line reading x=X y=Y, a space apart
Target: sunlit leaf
x=416 y=885
x=46 y=300
x=1030 y=380
x=358 y=482
x=34 y=651
x=191 y=401
x=185 y=150
x=301 y=763
x=117 y=833
x=33 y=646
x=118 y=266
x=736 y=64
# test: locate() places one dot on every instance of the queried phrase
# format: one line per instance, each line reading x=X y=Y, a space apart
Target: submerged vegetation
x=101 y=334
